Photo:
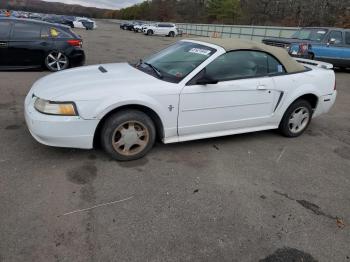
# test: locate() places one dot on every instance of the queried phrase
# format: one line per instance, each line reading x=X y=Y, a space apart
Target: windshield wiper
x=155 y=69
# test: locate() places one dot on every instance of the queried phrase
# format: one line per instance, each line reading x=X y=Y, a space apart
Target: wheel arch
x=145 y=109
x=310 y=97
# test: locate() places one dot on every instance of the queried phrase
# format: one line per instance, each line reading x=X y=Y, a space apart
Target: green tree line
x=249 y=12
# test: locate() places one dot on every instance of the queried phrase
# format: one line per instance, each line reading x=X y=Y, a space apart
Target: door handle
x=261 y=87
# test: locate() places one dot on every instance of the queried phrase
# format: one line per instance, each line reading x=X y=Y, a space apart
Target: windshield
x=310 y=34
x=177 y=61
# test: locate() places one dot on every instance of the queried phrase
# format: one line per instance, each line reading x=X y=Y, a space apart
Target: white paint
x=200 y=111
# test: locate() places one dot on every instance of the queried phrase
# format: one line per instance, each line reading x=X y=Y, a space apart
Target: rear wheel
x=128 y=135
x=171 y=34
x=56 y=61
x=296 y=119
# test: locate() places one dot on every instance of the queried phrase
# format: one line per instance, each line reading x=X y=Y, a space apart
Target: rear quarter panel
x=319 y=82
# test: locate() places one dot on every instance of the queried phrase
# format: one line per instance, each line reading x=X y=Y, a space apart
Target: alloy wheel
x=56 y=61
x=130 y=138
x=299 y=120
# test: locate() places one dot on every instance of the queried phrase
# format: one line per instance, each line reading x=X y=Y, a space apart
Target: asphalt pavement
x=251 y=197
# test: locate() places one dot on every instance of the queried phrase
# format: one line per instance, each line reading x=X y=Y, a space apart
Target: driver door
x=334 y=50
x=243 y=96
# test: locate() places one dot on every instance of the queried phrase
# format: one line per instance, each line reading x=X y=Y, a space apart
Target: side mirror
x=332 y=41
x=205 y=80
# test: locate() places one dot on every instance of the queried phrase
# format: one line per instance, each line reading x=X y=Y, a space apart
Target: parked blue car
x=330 y=45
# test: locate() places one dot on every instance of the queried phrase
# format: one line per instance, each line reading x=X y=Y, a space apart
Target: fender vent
x=279 y=101
x=102 y=69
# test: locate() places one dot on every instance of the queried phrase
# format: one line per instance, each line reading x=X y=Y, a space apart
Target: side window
x=26 y=31
x=45 y=32
x=58 y=33
x=347 y=38
x=337 y=35
x=238 y=64
x=274 y=67
x=5 y=27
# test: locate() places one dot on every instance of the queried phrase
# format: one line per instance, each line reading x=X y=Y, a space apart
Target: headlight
x=55 y=108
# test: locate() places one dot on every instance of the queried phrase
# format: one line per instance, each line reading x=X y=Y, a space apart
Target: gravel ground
x=252 y=197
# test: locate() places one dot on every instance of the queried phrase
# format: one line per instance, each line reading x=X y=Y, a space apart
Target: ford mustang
x=194 y=89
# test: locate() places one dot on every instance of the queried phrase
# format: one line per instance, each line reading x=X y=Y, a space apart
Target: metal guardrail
x=256 y=33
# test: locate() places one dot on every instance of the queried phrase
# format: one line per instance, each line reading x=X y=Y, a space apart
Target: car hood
x=93 y=82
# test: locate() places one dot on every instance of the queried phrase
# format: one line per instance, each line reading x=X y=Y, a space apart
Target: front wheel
x=172 y=34
x=296 y=119
x=128 y=135
x=56 y=61
x=149 y=32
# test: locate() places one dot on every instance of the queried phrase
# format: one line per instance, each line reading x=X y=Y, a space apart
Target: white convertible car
x=193 y=89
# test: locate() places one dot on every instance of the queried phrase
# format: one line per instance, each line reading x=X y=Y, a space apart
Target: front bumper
x=59 y=131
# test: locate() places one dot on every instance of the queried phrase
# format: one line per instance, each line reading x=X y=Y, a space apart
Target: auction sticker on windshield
x=200 y=51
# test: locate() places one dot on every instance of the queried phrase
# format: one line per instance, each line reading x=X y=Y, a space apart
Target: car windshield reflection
x=177 y=61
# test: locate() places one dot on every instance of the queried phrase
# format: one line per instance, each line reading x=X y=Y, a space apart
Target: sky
x=109 y=4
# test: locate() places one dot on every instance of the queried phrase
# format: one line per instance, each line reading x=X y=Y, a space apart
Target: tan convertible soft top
x=230 y=44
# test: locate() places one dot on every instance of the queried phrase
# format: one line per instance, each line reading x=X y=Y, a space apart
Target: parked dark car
x=127 y=26
x=330 y=45
x=26 y=43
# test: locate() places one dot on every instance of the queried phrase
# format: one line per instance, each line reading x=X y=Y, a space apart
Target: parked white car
x=81 y=22
x=139 y=28
x=164 y=29
x=193 y=89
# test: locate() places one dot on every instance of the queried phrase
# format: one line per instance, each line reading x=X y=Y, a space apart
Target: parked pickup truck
x=330 y=45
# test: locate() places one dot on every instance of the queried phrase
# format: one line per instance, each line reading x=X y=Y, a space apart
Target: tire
x=56 y=61
x=138 y=138
x=311 y=56
x=296 y=119
x=172 y=34
x=149 y=32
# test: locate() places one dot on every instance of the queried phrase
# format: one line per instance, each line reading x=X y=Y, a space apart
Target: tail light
x=335 y=85
x=75 y=42
x=303 y=48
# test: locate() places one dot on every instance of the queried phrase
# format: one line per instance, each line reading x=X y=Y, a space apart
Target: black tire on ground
x=172 y=34
x=149 y=32
x=128 y=135
x=311 y=56
x=293 y=118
